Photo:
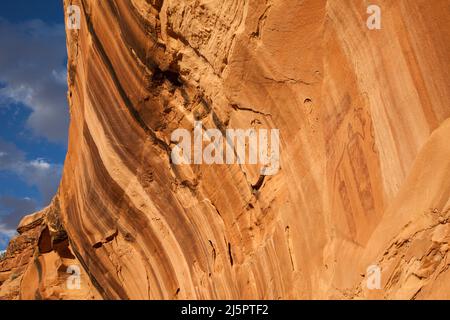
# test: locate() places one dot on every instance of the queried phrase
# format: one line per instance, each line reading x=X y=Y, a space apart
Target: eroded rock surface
x=38 y=260
x=365 y=169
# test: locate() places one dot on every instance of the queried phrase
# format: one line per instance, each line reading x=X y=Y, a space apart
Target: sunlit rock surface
x=365 y=155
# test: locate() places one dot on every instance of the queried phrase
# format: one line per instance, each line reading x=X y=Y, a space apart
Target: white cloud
x=32 y=73
x=40 y=164
x=5 y=236
x=7 y=232
x=37 y=172
x=12 y=209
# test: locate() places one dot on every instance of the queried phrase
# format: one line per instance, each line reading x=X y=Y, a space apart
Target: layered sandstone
x=38 y=260
x=365 y=170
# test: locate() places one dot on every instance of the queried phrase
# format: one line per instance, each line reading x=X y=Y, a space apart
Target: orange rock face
x=364 y=179
x=38 y=262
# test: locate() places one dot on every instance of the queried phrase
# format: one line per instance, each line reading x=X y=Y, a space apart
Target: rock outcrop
x=364 y=178
x=38 y=261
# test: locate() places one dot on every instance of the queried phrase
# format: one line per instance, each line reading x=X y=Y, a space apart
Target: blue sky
x=33 y=108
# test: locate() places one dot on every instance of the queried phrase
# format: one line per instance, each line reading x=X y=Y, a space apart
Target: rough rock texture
x=365 y=169
x=37 y=260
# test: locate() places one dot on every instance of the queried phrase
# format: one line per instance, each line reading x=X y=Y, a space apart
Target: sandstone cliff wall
x=364 y=176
